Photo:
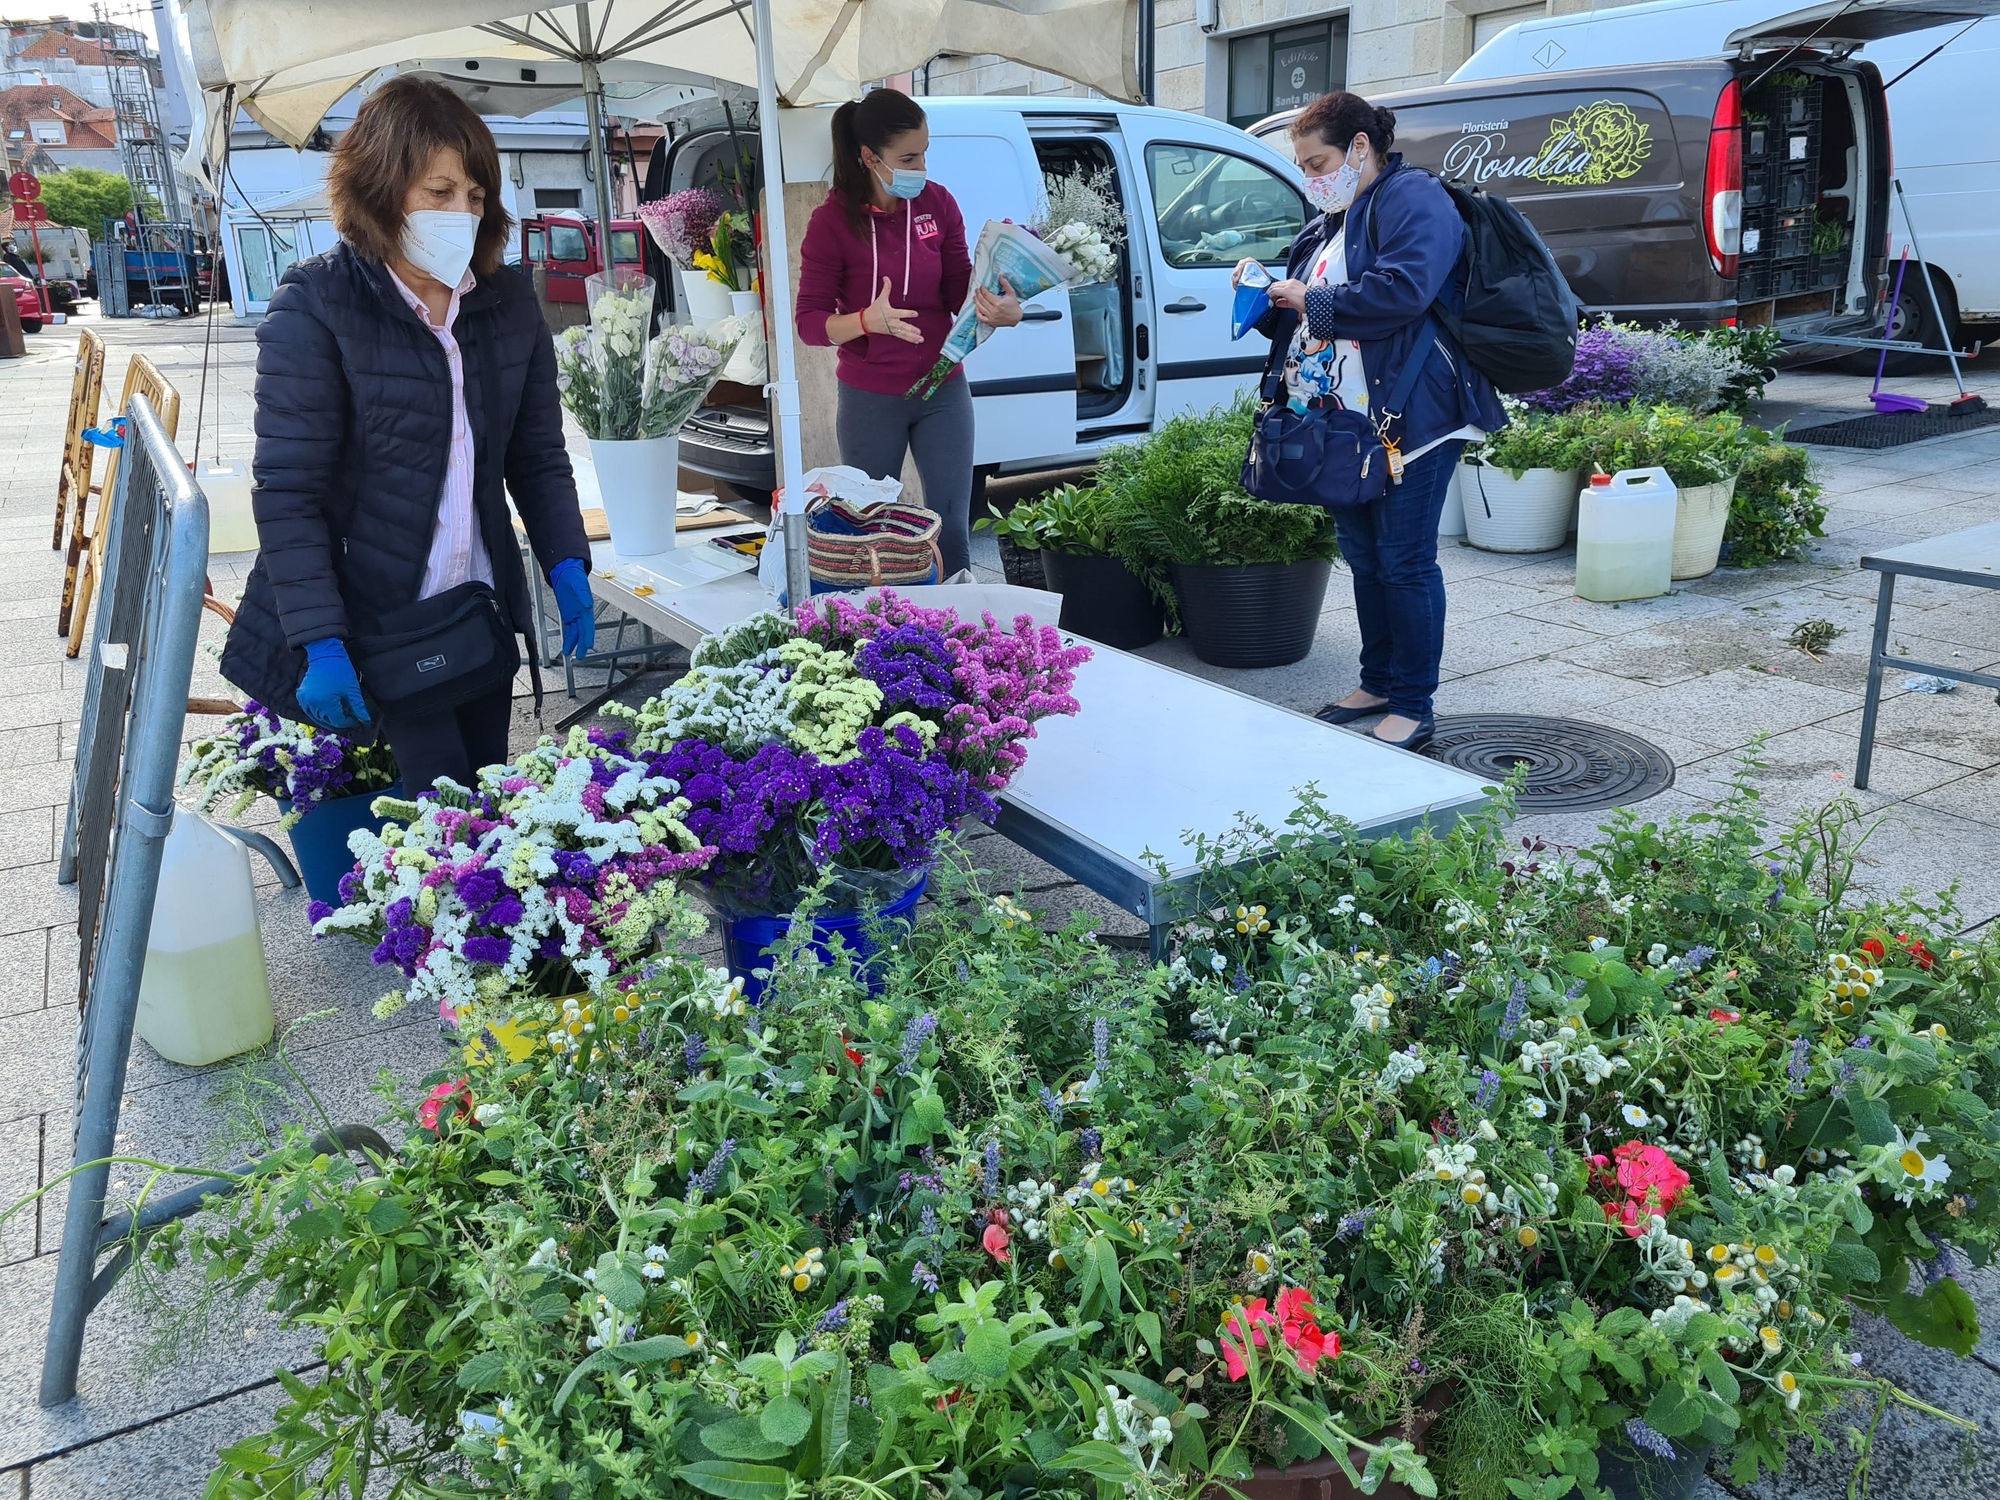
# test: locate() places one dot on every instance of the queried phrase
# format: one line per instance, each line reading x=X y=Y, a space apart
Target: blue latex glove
x=330 y=694
x=570 y=579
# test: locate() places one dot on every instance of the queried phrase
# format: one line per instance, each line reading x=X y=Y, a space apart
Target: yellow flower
x=1766 y=1256
x=1724 y=1275
x=1259 y=1263
x=1101 y=1187
x=1784 y=1309
x=1773 y=1340
x=1789 y=1384
x=1939 y=1032
x=1527 y=1237
x=1718 y=1253
x=802 y=1283
x=1471 y=1193
x=1057 y=1261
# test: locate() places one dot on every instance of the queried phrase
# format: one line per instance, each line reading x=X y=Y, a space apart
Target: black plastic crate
x=1790 y=280
x=1757 y=189
x=1795 y=106
x=1791 y=241
x=1799 y=187
x=1754 y=281
x=1829 y=270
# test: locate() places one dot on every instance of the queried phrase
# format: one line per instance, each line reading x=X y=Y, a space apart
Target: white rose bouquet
x=1085 y=250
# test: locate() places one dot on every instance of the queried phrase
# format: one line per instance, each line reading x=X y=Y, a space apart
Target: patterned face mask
x=1333 y=192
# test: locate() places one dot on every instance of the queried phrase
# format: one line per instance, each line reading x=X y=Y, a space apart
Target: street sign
x=30 y=212
x=25 y=186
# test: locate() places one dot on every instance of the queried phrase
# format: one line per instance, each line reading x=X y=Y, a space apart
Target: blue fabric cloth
x=1391 y=549
x=330 y=692
x=1411 y=256
x=571 y=581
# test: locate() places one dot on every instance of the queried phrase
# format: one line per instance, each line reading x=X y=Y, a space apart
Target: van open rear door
x=1834 y=23
x=1024 y=378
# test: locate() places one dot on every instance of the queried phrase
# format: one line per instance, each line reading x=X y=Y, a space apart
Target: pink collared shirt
x=458 y=551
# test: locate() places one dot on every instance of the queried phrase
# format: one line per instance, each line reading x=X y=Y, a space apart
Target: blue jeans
x=1392 y=549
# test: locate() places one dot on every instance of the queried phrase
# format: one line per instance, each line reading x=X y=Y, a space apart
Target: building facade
x=1240 y=60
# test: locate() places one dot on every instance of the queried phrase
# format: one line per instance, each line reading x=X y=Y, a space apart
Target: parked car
x=565 y=247
x=1088 y=366
x=1701 y=160
x=27 y=302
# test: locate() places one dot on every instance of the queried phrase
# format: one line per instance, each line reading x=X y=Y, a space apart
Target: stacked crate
x=1781 y=161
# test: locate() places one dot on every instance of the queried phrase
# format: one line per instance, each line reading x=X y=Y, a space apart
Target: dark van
x=1752 y=189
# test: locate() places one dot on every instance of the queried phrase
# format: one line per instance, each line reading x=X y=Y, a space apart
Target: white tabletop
x=1971 y=556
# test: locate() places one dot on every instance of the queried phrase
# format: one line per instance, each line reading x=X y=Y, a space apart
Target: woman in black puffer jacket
x=402 y=379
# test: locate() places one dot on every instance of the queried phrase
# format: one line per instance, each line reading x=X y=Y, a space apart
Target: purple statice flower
x=1517 y=1010
x=990 y=1166
x=1606 y=369
x=1938 y=1267
x=833 y=1319
x=1489 y=1086
x=1353 y=1225
x=915 y=1034
x=1100 y=1041
x=695 y=1051
x=317 y=912
x=1800 y=1064
x=1090 y=1141
x=1052 y=1102
x=705 y=1180
x=486 y=950
x=912 y=665
x=1648 y=1440
x=1692 y=960
x=924 y=1277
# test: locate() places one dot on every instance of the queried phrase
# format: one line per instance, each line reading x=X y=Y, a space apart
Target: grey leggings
x=874 y=431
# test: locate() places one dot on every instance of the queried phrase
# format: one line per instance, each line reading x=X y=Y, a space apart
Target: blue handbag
x=1328 y=455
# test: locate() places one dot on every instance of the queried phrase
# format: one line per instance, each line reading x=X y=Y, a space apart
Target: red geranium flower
x=1648 y=1182
x=1874 y=946
x=457 y=1095
x=995 y=1241
x=1921 y=956
x=1302 y=1335
x=1248 y=1319
x=1725 y=1017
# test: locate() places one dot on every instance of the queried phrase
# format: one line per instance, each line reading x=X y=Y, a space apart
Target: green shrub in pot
x=1069 y=518
x=1694 y=450
x=1562 y=441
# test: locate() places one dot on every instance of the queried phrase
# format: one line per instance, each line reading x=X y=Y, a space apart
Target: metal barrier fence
x=121 y=807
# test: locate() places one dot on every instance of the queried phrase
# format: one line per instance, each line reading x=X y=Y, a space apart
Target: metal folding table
x=1117 y=796
x=1970 y=557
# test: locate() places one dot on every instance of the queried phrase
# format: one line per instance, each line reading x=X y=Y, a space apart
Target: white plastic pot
x=1529 y=514
x=637 y=481
x=1698 y=528
x=707 y=299
x=205 y=993
x=1451 y=520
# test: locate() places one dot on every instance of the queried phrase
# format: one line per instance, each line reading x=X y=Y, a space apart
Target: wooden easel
x=73 y=478
x=86 y=552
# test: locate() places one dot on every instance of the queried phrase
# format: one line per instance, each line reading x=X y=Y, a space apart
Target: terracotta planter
x=1322 y=1479
x=1698 y=528
x=1531 y=514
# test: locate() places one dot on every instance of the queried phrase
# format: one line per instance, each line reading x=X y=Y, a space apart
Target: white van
x=1089 y=366
x=1944 y=121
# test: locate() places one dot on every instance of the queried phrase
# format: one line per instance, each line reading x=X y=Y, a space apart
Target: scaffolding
x=142 y=140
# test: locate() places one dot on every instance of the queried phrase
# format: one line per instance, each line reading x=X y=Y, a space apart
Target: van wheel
x=1914 y=321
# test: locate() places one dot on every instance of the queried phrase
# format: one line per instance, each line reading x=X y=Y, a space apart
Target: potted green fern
x=1070 y=530
x=1247 y=579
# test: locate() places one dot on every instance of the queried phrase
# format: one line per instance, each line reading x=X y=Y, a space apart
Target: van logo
x=1600 y=142
x=1480 y=127
x=431 y=663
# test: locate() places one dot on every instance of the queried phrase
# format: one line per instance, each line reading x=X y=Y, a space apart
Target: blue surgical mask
x=904 y=184
x=1253 y=300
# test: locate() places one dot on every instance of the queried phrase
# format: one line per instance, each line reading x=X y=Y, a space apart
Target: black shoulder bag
x=437 y=653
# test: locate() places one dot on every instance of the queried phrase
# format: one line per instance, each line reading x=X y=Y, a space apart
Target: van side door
x=1210 y=203
x=1023 y=378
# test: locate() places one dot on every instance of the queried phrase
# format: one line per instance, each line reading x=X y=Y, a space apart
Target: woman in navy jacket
x=1358 y=294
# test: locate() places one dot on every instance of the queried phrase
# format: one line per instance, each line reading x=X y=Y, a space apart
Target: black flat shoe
x=1334 y=713
x=1416 y=739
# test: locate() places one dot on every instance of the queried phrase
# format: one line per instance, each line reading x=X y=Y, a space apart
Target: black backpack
x=1519 y=322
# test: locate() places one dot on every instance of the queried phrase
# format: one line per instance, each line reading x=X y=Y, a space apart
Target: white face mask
x=439 y=242
x=1333 y=192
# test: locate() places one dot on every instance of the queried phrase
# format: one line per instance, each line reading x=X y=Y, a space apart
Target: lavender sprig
x=1517 y=1010
x=705 y=1180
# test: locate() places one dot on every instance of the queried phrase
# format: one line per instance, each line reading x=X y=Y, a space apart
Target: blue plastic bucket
x=319 y=839
x=746 y=940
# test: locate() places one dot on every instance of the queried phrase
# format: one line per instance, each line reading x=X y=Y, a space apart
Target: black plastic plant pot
x=1103 y=600
x=1255 y=615
x=1021 y=566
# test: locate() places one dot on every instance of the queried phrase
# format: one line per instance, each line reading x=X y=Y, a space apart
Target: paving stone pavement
x=1699 y=674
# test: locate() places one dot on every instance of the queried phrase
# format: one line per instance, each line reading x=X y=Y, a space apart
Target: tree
x=84 y=198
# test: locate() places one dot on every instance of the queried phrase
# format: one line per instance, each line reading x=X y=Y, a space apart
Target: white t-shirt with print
x=1330 y=369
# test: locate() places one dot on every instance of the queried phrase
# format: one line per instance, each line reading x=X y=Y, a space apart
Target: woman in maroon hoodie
x=883 y=272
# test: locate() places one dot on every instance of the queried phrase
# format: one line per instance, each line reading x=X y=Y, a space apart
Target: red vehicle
x=566 y=248
x=27 y=301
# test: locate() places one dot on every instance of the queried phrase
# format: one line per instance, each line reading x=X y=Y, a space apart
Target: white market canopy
x=289 y=61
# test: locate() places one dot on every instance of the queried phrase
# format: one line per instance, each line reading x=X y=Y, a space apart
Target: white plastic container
x=637 y=482
x=206 y=994
x=1625 y=535
x=1451 y=520
x=232 y=527
x=705 y=298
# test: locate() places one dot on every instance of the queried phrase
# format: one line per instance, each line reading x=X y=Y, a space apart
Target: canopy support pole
x=600 y=165
x=784 y=390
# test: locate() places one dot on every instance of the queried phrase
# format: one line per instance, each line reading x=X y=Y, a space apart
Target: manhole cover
x=1572 y=766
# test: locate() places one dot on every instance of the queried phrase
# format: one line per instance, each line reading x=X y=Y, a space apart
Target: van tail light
x=1723 y=194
